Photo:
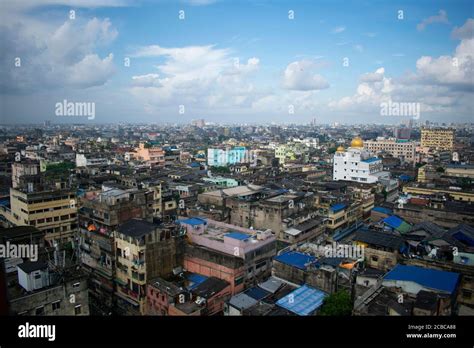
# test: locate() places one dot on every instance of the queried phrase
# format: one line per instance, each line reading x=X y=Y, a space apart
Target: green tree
x=337 y=304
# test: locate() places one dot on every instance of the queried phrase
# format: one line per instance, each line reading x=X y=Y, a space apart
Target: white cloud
x=359 y=48
x=338 y=30
x=196 y=76
x=441 y=85
x=442 y=17
x=373 y=77
x=53 y=57
x=299 y=76
x=148 y=80
x=464 y=32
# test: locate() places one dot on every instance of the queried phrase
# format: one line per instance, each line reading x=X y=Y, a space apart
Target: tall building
x=402 y=149
x=24 y=168
x=438 y=138
x=99 y=216
x=356 y=164
x=144 y=251
x=53 y=211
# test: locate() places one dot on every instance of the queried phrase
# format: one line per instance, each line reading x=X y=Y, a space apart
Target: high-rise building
x=144 y=251
x=438 y=138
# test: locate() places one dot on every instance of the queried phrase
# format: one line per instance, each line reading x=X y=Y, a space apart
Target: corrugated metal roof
x=193 y=221
x=303 y=301
x=429 y=278
x=337 y=207
x=237 y=235
x=296 y=259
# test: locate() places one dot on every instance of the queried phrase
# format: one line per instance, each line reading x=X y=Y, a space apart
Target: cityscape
x=256 y=159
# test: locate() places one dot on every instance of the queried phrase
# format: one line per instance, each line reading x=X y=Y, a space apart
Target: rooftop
x=137 y=228
x=429 y=278
x=303 y=301
x=296 y=259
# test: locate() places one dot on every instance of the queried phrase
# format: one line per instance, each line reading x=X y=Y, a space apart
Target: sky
x=236 y=61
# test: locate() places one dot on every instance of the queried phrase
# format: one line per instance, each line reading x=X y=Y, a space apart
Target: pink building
x=238 y=255
x=153 y=155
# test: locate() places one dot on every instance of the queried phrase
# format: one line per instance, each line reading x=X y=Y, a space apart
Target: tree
x=337 y=304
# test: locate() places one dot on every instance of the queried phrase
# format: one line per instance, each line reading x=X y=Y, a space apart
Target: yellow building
x=457 y=195
x=144 y=251
x=52 y=211
x=438 y=138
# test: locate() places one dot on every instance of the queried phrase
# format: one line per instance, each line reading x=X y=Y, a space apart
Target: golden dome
x=357 y=142
x=340 y=149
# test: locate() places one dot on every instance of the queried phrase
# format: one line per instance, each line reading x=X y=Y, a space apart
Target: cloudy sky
x=236 y=61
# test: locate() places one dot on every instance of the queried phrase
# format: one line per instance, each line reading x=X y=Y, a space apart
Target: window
x=56 y=305
x=39 y=310
x=375 y=258
x=77 y=309
x=467 y=294
x=238 y=281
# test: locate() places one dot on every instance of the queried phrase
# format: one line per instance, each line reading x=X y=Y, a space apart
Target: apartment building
x=144 y=251
x=402 y=149
x=238 y=255
x=53 y=211
x=438 y=138
x=99 y=216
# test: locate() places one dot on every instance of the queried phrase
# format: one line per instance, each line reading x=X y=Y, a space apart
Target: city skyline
x=244 y=62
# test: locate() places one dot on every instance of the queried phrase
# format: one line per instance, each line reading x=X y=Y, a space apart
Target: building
x=99 y=216
x=356 y=164
x=238 y=255
x=150 y=154
x=40 y=291
x=144 y=251
x=87 y=160
x=53 y=211
x=438 y=138
x=381 y=249
x=402 y=149
x=24 y=168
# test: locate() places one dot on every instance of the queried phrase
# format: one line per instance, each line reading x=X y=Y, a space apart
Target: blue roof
x=296 y=259
x=237 y=235
x=194 y=165
x=393 y=221
x=405 y=177
x=429 y=278
x=337 y=207
x=257 y=293
x=194 y=280
x=371 y=159
x=193 y=221
x=382 y=210
x=302 y=301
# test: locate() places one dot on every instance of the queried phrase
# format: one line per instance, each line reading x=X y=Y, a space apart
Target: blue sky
x=237 y=61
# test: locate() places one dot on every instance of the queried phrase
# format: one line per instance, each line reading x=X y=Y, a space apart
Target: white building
x=356 y=164
x=85 y=160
